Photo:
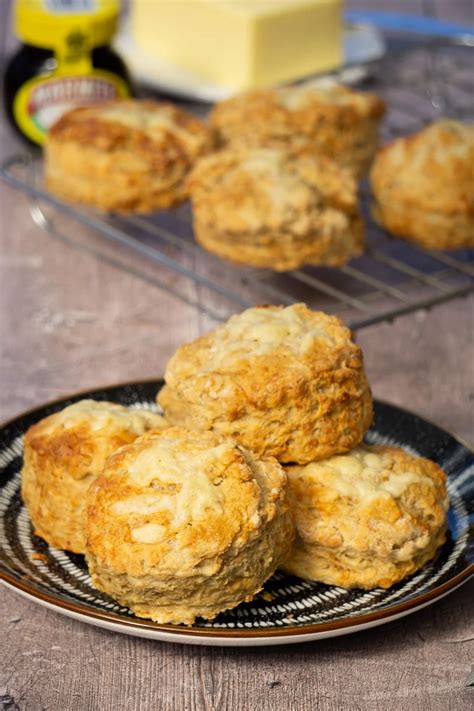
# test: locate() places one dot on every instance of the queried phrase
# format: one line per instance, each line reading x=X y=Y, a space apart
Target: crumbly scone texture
x=333 y=121
x=63 y=453
x=186 y=524
x=286 y=382
x=423 y=186
x=367 y=519
x=126 y=156
x=270 y=208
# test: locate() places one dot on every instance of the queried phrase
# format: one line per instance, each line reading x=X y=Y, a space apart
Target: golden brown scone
x=127 y=155
x=333 y=121
x=286 y=382
x=63 y=453
x=367 y=519
x=185 y=524
x=423 y=186
x=273 y=209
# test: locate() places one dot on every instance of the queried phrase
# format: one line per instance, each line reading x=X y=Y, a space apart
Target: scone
x=423 y=186
x=184 y=524
x=286 y=382
x=269 y=208
x=63 y=453
x=332 y=121
x=367 y=519
x=127 y=155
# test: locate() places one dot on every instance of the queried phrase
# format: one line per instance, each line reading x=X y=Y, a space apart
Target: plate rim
x=300 y=632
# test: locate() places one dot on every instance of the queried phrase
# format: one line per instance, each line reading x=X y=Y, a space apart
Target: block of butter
x=241 y=44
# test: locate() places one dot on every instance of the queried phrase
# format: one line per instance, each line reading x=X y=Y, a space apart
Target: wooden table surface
x=67 y=322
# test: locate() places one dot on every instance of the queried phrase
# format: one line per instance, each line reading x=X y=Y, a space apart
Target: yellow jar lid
x=47 y=23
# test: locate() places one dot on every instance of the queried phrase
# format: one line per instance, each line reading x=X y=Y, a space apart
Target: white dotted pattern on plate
x=293 y=602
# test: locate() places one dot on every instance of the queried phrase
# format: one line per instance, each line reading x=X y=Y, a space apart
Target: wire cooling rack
x=393 y=277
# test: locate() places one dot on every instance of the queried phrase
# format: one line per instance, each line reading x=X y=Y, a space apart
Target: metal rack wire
x=391 y=278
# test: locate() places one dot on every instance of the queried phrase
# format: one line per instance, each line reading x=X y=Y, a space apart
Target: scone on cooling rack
x=184 y=524
x=269 y=208
x=331 y=120
x=126 y=156
x=63 y=453
x=367 y=519
x=286 y=382
x=423 y=186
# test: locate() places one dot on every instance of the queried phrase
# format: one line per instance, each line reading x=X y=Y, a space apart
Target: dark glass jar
x=60 y=65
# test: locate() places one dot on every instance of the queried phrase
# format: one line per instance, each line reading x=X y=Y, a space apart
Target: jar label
x=41 y=101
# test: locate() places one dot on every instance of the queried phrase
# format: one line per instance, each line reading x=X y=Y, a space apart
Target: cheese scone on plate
x=366 y=519
x=185 y=524
x=63 y=453
x=286 y=382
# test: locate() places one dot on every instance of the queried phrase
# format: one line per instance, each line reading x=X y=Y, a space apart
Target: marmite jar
x=64 y=61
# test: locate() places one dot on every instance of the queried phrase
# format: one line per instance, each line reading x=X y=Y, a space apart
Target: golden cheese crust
x=423 y=186
x=184 y=524
x=367 y=519
x=127 y=156
x=63 y=453
x=332 y=121
x=274 y=209
x=286 y=382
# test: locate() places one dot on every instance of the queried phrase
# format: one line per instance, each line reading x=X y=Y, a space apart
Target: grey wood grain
x=419 y=663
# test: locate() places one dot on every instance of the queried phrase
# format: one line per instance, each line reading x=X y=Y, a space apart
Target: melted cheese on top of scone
x=187 y=490
x=100 y=415
x=264 y=190
x=297 y=182
x=148 y=533
x=262 y=331
x=441 y=157
x=138 y=555
x=366 y=519
x=431 y=170
x=362 y=476
x=153 y=122
x=176 y=478
x=268 y=168
x=299 y=97
x=137 y=117
x=183 y=483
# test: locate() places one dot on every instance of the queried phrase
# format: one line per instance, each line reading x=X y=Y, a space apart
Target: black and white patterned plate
x=289 y=609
